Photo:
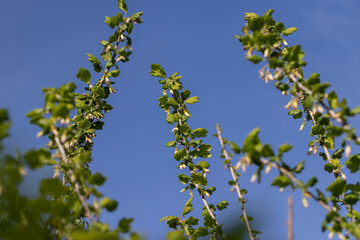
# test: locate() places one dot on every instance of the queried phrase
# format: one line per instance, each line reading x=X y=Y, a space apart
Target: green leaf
x=299 y=167
x=157 y=71
x=180 y=155
x=236 y=149
x=337 y=187
x=52 y=187
x=351 y=198
x=192 y=100
x=281 y=181
x=37 y=158
x=289 y=31
x=172 y=101
x=279 y=27
x=170 y=144
x=295 y=113
x=97 y=179
x=329 y=142
x=338 y=153
x=95 y=62
x=203 y=165
x=353 y=163
x=285 y=148
x=200 y=132
x=329 y=167
x=308 y=102
x=356 y=110
x=124 y=225
x=188 y=207
x=184 y=179
x=256 y=23
x=317 y=129
x=198 y=178
x=113 y=73
x=222 y=205
x=254 y=59
x=109 y=204
x=204 y=151
x=122 y=5
x=84 y=75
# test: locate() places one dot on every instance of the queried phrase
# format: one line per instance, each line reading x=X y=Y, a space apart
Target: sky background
x=44 y=42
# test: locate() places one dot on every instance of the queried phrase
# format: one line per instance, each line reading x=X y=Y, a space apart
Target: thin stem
x=73 y=178
x=235 y=178
x=290 y=219
x=333 y=115
x=298 y=182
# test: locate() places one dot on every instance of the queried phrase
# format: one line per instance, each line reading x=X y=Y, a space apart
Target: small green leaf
x=289 y=31
x=95 y=62
x=295 y=113
x=329 y=167
x=279 y=27
x=113 y=73
x=351 y=198
x=184 y=179
x=192 y=100
x=180 y=155
x=198 y=178
x=281 y=181
x=308 y=102
x=124 y=225
x=109 y=204
x=222 y=205
x=97 y=179
x=122 y=5
x=170 y=144
x=353 y=163
x=203 y=165
x=356 y=110
x=236 y=149
x=188 y=207
x=337 y=187
x=299 y=167
x=285 y=148
x=157 y=71
x=200 y=132
x=84 y=75
x=254 y=59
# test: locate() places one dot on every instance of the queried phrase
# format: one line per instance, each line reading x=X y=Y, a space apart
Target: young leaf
x=281 y=181
x=84 y=75
x=222 y=205
x=289 y=31
x=122 y=5
x=109 y=204
x=337 y=187
x=192 y=100
x=157 y=71
x=200 y=132
x=353 y=163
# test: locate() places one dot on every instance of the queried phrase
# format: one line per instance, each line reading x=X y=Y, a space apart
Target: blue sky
x=43 y=44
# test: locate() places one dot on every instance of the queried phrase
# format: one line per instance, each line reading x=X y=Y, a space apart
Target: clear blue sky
x=43 y=43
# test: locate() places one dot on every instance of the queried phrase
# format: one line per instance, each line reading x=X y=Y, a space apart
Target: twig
x=290 y=219
x=295 y=180
x=333 y=115
x=235 y=178
x=73 y=178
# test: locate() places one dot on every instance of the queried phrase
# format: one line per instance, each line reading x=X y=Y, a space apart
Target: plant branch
x=235 y=178
x=290 y=219
x=331 y=112
x=73 y=178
